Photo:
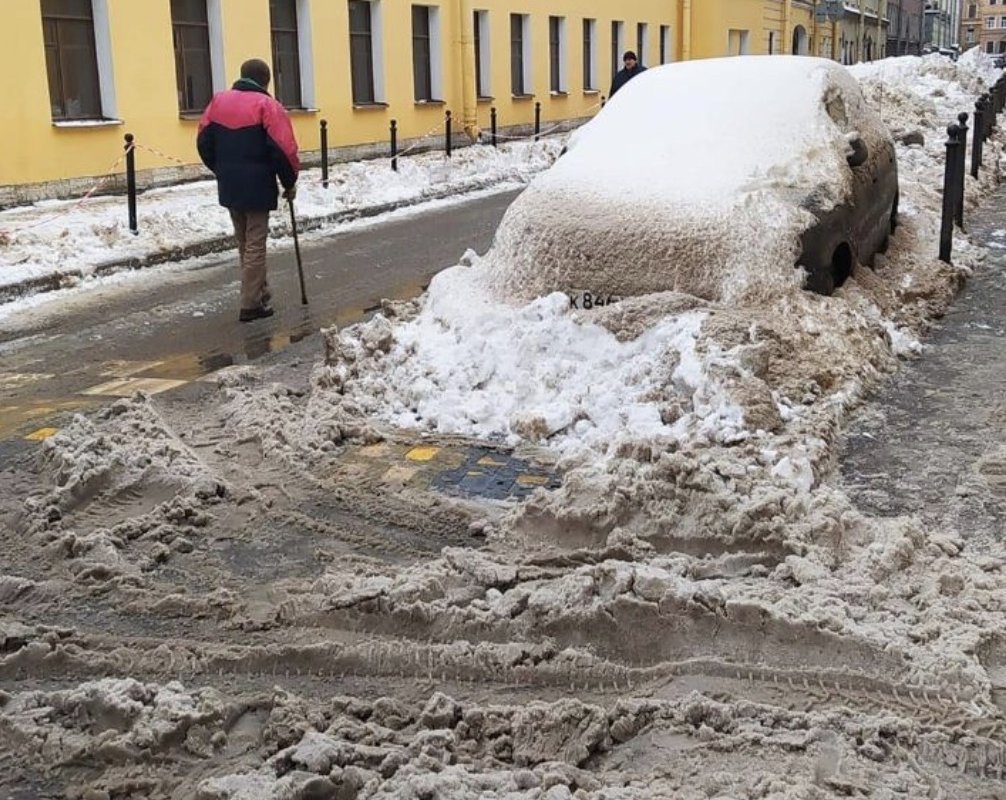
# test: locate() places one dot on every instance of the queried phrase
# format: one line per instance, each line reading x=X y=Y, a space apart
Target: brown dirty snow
x=238 y=592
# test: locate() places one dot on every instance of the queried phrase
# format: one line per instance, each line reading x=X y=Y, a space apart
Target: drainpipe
x=686 y=30
x=469 y=88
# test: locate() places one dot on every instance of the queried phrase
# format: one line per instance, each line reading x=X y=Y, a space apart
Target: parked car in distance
x=698 y=169
x=999 y=61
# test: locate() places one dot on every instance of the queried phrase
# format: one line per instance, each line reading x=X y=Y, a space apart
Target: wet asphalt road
x=161 y=327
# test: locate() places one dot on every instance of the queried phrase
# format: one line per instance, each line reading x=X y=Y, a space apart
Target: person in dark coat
x=247 y=141
x=631 y=68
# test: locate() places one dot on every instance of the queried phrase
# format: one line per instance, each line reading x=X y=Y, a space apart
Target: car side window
x=834 y=104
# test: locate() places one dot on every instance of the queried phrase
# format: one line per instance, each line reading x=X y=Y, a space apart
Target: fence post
x=447 y=138
x=134 y=227
x=962 y=154
x=990 y=115
x=949 y=192
x=492 y=123
x=976 y=138
x=537 y=119
x=394 y=145
x=324 y=153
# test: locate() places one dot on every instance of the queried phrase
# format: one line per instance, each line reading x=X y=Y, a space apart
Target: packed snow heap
x=699 y=611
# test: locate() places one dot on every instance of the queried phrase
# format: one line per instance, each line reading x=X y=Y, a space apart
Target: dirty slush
x=252 y=590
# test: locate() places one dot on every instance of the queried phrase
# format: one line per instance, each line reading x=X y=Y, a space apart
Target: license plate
x=585 y=301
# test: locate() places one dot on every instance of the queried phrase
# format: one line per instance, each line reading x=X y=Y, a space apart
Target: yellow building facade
x=83 y=73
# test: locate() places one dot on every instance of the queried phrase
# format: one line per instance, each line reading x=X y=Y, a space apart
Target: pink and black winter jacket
x=246 y=139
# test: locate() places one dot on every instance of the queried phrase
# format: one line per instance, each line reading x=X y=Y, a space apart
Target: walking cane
x=296 y=247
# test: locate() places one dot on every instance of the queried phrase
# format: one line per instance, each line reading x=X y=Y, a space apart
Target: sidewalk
x=933 y=444
x=53 y=244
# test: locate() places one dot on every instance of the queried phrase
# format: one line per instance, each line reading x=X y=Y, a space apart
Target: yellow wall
x=144 y=77
x=144 y=70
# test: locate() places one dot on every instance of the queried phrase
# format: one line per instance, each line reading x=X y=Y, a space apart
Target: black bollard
x=990 y=114
x=324 y=153
x=394 y=145
x=949 y=192
x=448 y=122
x=537 y=120
x=134 y=227
x=976 y=138
x=602 y=101
x=492 y=123
x=961 y=168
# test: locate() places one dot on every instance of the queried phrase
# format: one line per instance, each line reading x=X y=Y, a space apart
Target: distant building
x=905 y=27
x=983 y=23
x=941 y=26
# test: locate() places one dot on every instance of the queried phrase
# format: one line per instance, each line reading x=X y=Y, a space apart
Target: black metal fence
x=986 y=115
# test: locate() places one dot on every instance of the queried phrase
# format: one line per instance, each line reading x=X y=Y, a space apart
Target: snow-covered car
x=709 y=177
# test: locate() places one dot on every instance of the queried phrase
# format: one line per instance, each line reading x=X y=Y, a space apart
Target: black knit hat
x=629 y=54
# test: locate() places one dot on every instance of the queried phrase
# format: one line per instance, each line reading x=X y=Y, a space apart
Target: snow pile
x=664 y=368
x=58 y=237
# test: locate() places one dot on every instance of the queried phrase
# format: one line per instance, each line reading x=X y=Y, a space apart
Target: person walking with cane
x=246 y=139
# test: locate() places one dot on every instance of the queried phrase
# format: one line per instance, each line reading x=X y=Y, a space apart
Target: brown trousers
x=251 y=228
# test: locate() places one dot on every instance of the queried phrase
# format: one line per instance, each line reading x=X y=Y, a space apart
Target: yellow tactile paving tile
x=532 y=480
x=125 y=369
x=422 y=453
x=41 y=434
x=379 y=450
x=10 y=381
x=489 y=461
x=130 y=386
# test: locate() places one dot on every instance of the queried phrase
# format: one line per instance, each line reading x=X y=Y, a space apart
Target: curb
x=218 y=244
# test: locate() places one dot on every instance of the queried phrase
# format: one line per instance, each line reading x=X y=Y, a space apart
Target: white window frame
x=527 y=54
x=218 y=68
x=563 y=52
x=305 y=48
x=644 y=44
x=592 y=28
x=990 y=23
x=485 y=41
x=1002 y=22
x=377 y=48
x=103 y=55
x=666 y=44
x=436 y=54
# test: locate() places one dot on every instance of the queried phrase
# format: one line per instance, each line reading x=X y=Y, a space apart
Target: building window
x=617 y=45
x=969 y=36
x=972 y=11
x=590 y=54
x=990 y=23
x=1002 y=22
x=557 y=54
x=990 y=47
x=71 y=59
x=665 y=44
x=737 y=42
x=642 y=43
x=285 y=52
x=361 y=52
x=520 y=56
x=1002 y=46
x=190 y=26
x=422 y=79
x=482 y=70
